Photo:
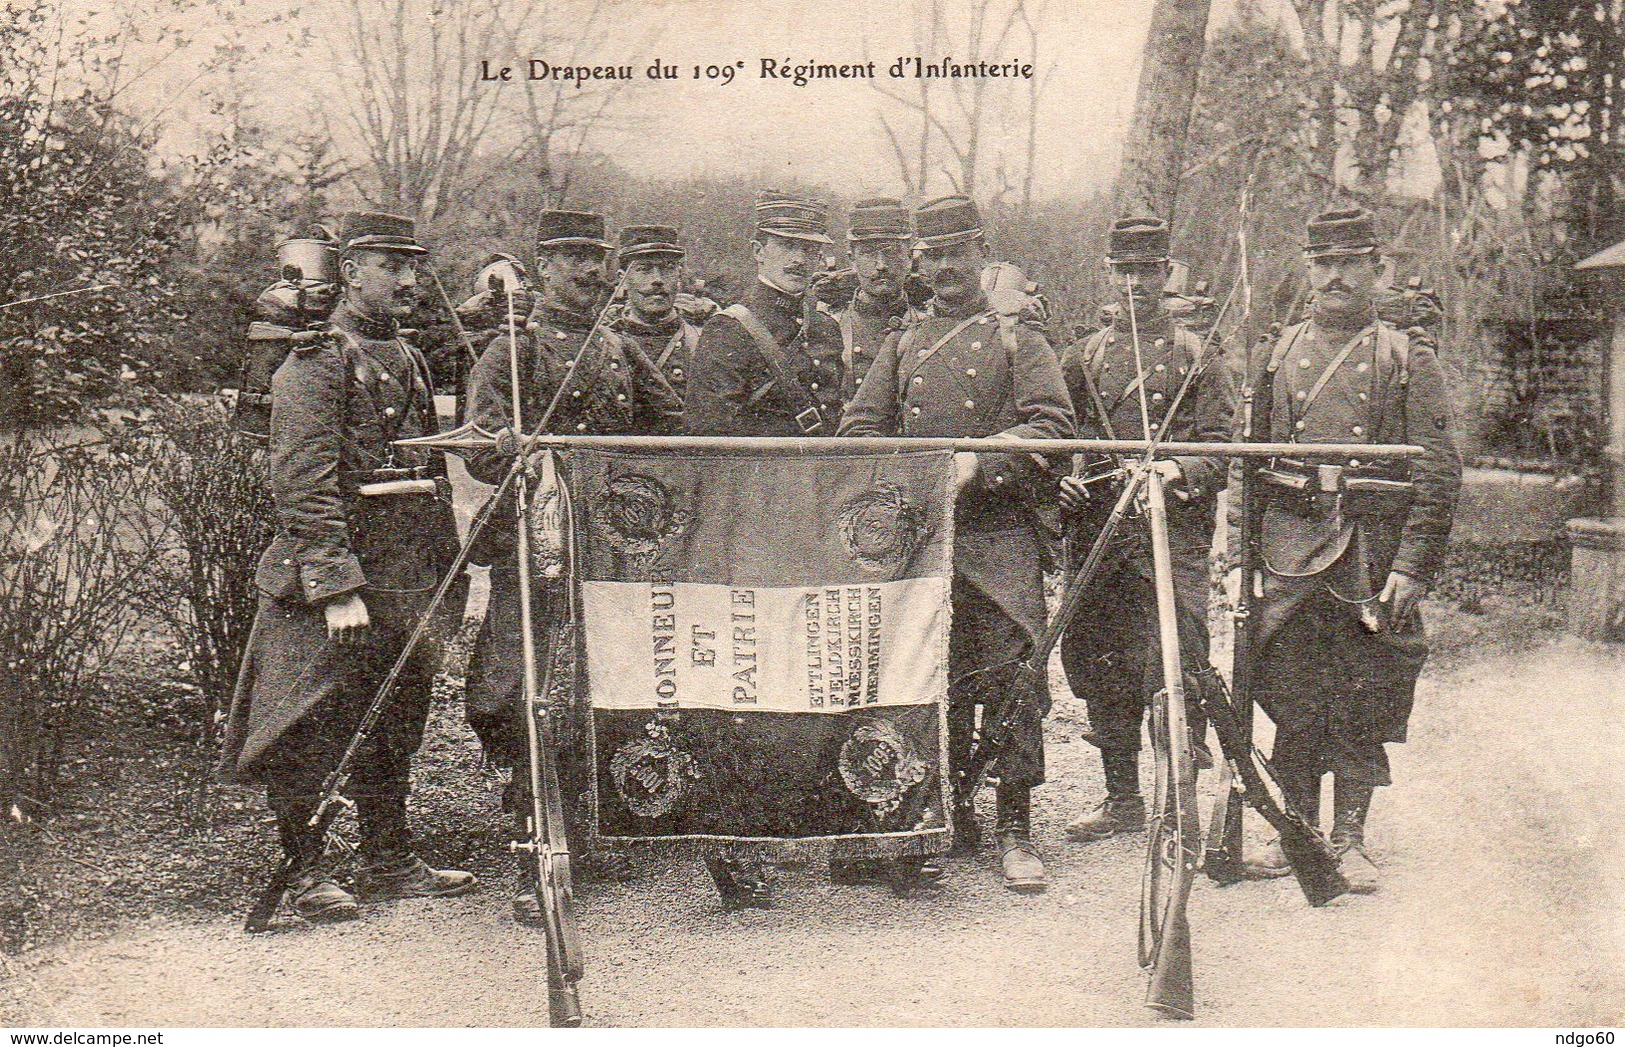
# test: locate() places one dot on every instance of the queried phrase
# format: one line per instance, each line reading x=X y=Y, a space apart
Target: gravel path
x=1502 y=905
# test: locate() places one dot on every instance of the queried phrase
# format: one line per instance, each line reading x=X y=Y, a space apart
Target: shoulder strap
x=772 y=353
x=843 y=319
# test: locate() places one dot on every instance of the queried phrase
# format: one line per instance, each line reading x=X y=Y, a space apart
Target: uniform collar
x=876 y=309
x=765 y=294
x=349 y=318
x=976 y=303
x=568 y=319
x=630 y=321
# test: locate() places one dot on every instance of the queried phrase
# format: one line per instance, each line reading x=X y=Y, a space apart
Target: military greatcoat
x=1336 y=676
x=735 y=391
x=1110 y=651
x=597 y=400
x=968 y=373
x=336 y=407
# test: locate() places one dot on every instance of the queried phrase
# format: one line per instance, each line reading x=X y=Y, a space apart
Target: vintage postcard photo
x=744 y=513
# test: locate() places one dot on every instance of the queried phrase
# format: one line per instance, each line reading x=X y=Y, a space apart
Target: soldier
x=1347 y=547
x=771 y=364
x=880 y=238
x=1111 y=651
x=572 y=263
x=966 y=370
x=768 y=366
x=345 y=580
x=652 y=332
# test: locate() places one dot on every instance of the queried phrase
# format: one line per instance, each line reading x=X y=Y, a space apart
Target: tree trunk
x=1154 y=155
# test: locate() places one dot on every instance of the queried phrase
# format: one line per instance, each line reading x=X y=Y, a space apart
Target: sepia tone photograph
x=744 y=513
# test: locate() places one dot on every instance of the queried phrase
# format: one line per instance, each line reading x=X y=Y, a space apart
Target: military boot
x=741 y=882
x=1113 y=815
x=405 y=875
x=1123 y=809
x=1022 y=865
x=910 y=876
x=1301 y=790
x=317 y=897
x=1351 y=802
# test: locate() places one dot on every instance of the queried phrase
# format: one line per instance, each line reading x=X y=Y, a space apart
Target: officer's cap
x=792 y=217
x=879 y=218
x=1136 y=240
x=379 y=231
x=1347 y=231
x=644 y=241
x=946 y=221
x=315 y=255
x=570 y=229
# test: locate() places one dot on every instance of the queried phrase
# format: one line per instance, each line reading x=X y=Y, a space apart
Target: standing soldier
x=1347 y=547
x=345 y=581
x=1111 y=651
x=768 y=366
x=652 y=334
x=771 y=364
x=965 y=370
x=572 y=257
x=880 y=238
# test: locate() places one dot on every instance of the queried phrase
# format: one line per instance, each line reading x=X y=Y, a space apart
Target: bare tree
x=942 y=127
x=408 y=80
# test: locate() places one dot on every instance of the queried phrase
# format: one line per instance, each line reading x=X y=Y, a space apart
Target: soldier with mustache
x=964 y=369
x=651 y=331
x=345 y=580
x=769 y=365
x=572 y=258
x=1347 y=547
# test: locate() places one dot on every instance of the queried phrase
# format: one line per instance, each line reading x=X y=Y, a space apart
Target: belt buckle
x=809 y=421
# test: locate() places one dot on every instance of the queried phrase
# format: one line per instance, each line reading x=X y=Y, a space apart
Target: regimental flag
x=766 y=647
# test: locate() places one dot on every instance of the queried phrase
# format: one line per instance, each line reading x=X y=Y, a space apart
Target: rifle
x=1030 y=672
x=332 y=800
x=547 y=842
x=1174 y=833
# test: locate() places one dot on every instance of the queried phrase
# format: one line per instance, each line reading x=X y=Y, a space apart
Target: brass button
x=976 y=345
x=1354 y=463
x=620 y=397
x=389 y=412
x=1304 y=362
x=1154 y=427
x=576 y=393
x=1300 y=426
x=970 y=372
x=1156 y=398
x=581 y=427
x=813 y=387
x=614 y=365
x=1160 y=368
x=1364 y=397
x=1359 y=430
x=1303 y=394
x=559 y=335
x=677 y=372
x=913 y=410
x=970 y=403
x=918 y=380
x=287 y=563
x=1159 y=343
x=1362 y=367
x=858 y=382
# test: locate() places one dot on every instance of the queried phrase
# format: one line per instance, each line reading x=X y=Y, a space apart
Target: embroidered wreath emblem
x=881 y=529
x=652 y=774
x=879 y=767
x=635 y=514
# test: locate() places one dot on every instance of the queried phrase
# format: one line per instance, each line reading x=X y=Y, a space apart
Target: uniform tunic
x=598 y=401
x=960 y=373
x=661 y=356
x=336 y=406
x=865 y=324
x=1111 y=650
x=1336 y=689
x=733 y=390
